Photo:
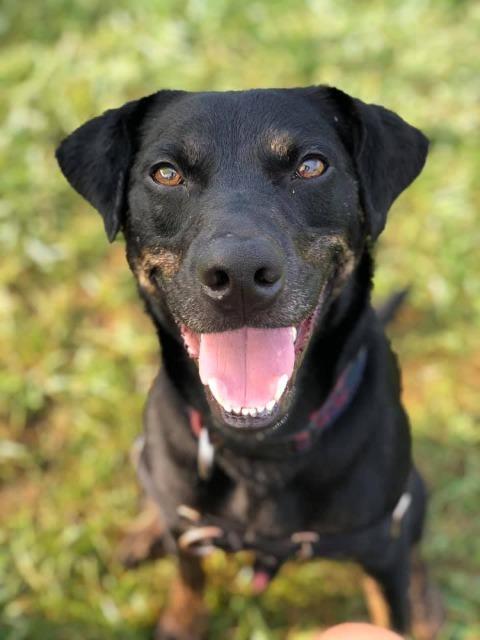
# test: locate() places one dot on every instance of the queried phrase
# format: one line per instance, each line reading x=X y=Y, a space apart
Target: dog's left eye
x=167 y=175
x=311 y=167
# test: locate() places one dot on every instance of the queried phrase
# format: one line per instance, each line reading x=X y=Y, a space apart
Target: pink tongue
x=246 y=365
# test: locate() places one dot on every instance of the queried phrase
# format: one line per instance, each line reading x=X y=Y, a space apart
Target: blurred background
x=77 y=354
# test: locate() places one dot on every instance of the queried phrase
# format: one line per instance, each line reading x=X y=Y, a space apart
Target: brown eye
x=167 y=174
x=311 y=167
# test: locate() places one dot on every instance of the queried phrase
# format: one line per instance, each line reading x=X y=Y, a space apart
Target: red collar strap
x=336 y=403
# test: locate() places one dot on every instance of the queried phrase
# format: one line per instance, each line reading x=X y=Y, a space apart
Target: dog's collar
x=336 y=403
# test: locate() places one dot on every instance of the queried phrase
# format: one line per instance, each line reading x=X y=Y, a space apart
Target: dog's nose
x=241 y=273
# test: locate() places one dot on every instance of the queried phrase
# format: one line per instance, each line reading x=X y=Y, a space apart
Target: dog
x=275 y=423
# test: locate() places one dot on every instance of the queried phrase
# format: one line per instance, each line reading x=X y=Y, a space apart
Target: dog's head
x=244 y=213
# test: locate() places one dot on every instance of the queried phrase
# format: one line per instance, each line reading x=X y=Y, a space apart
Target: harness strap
x=201 y=535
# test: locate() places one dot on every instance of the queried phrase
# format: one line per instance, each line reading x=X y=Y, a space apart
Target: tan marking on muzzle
x=333 y=247
x=166 y=261
x=327 y=246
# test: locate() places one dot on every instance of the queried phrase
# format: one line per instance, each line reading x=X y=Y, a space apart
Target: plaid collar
x=336 y=403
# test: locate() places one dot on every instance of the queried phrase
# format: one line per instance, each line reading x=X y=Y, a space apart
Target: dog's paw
x=169 y=629
x=143 y=539
x=186 y=617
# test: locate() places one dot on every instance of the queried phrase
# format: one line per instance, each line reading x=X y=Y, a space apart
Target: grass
x=77 y=354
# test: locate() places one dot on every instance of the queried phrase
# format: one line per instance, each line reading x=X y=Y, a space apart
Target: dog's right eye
x=167 y=175
x=311 y=167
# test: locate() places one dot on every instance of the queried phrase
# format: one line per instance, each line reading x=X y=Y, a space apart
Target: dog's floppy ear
x=96 y=158
x=388 y=153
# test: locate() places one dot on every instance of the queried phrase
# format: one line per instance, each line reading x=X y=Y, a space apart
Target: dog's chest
x=274 y=512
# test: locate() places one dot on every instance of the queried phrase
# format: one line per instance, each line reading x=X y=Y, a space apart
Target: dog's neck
x=337 y=340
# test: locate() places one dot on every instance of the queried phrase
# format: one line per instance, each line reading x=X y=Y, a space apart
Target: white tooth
x=260 y=409
x=245 y=411
x=213 y=385
x=294 y=333
x=237 y=410
x=281 y=384
x=270 y=405
x=253 y=412
x=214 y=388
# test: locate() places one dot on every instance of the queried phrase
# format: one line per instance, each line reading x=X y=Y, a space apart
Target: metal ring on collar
x=305 y=540
x=188 y=513
x=198 y=541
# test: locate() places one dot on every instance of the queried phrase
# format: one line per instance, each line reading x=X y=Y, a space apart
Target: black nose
x=241 y=273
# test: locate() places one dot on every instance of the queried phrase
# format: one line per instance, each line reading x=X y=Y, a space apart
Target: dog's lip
x=248 y=423
x=265 y=420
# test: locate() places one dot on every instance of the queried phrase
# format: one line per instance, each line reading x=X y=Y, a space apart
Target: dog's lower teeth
x=253 y=412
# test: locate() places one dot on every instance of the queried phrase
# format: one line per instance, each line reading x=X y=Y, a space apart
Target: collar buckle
x=399 y=513
x=205 y=455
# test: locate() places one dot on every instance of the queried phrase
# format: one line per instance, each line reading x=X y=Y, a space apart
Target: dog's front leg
x=393 y=581
x=145 y=538
x=185 y=617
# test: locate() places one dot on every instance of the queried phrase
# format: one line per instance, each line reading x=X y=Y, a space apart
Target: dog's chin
x=269 y=360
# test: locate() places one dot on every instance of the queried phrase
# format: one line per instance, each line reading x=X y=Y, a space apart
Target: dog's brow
x=280 y=144
x=191 y=151
x=194 y=150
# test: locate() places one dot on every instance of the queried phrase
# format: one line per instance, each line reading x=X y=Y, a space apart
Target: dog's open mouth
x=249 y=371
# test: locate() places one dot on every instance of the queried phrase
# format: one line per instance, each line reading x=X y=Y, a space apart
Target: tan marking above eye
x=167 y=175
x=281 y=144
x=311 y=167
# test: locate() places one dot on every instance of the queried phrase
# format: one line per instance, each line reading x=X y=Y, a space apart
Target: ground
x=77 y=353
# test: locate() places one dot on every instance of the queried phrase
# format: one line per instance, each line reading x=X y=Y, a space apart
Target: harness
x=199 y=534
x=202 y=534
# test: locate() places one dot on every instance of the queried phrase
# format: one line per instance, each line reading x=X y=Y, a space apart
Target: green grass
x=77 y=354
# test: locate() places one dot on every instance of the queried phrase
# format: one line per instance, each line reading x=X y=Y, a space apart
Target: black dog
x=275 y=423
